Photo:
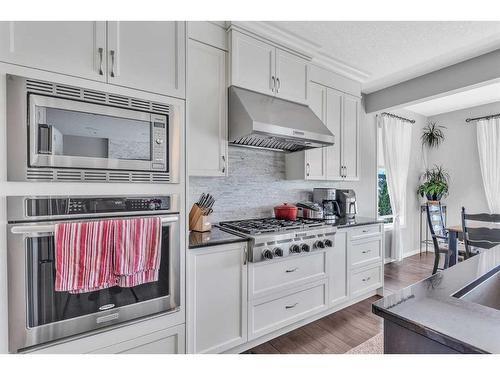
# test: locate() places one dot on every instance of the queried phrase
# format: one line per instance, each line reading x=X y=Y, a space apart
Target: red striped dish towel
x=84 y=256
x=137 y=250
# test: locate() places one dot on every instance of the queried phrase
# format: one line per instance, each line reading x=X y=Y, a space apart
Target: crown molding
x=304 y=46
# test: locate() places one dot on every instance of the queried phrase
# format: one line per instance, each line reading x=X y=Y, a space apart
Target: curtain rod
x=483 y=117
x=399 y=117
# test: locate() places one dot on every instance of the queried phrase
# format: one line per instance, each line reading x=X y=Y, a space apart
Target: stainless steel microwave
x=57 y=132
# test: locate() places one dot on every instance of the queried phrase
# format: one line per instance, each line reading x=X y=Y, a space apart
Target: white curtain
x=396 y=143
x=488 y=144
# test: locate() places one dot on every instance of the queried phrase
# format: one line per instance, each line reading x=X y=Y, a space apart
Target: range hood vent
x=264 y=121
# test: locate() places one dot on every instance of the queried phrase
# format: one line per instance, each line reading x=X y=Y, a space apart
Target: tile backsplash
x=255 y=184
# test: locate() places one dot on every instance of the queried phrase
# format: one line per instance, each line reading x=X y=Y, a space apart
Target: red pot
x=285 y=212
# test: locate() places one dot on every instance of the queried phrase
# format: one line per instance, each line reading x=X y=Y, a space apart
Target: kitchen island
x=454 y=311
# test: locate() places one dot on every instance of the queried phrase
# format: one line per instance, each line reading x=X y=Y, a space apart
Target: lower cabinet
x=139 y=338
x=217 y=298
x=338 y=266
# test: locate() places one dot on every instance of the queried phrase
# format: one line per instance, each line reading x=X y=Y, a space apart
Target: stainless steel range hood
x=258 y=120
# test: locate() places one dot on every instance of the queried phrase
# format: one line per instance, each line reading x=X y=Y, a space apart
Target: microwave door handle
x=49 y=228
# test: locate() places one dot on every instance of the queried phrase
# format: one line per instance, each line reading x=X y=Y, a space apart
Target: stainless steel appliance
x=264 y=121
x=327 y=199
x=347 y=202
x=63 y=133
x=310 y=210
x=272 y=238
x=39 y=314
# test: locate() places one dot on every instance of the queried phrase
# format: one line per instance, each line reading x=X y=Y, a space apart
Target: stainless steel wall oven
x=37 y=312
x=64 y=133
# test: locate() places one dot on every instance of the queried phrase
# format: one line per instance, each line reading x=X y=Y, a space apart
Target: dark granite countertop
x=430 y=308
x=358 y=220
x=215 y=237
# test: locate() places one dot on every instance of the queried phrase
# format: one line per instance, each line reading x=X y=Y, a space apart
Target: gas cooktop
x=270 y=225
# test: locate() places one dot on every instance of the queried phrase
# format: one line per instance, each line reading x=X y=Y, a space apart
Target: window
x=384 y=210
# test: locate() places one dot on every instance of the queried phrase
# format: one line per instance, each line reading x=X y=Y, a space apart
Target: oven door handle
x=49 y=228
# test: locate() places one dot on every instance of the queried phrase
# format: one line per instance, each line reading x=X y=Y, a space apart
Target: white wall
x=27 y=188
x=459 y=154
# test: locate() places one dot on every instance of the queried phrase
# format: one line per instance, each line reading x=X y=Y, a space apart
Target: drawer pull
x=291 y=306
x=366 y=251
x=366 y=279
x=365 y=230
x=292 y=270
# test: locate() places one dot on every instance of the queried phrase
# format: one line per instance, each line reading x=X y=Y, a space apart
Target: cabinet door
x=334 y=123
x=291 y=76
x=217 y=298
x=252 y=63
x=337 y=269
x=350 y=137
x=206 y=110
x=315 y=159
x=148 y=55
x=76 y=48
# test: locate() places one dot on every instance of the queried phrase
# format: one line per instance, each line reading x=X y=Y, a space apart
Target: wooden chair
x=439 y=234
x=484 y=234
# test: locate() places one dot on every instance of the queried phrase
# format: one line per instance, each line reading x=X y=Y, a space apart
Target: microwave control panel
x=159 y=142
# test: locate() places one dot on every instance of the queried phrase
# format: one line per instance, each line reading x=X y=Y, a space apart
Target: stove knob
x=305 y=247
x=319 y=245
x=278 y=251
x=328 y=243
x=267 y=254
x=295 y=249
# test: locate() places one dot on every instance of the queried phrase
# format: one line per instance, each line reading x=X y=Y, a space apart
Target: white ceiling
x=454 y=102
x=385 y=53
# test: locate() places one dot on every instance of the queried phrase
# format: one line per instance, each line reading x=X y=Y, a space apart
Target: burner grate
x=270 y=225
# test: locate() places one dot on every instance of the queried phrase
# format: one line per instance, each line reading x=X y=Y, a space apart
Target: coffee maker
x=346 y=199
x=326 y=198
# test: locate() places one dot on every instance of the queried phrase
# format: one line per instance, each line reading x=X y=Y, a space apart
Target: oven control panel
x=95 y=205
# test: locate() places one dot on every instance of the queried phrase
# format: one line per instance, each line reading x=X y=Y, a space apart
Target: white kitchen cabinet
x=310 y=164
x=263 y=67
x=350 y=137
x=76 y=48
x=291 y=76
x=333 y=153
x=339 y=162
x=338 y=268
x=147 y=55
x=206 y=110
x=217 y=298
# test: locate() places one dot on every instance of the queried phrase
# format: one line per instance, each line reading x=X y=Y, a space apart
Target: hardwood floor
x=343 y=330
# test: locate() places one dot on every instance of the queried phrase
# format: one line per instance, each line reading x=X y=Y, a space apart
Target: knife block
x=197 y=221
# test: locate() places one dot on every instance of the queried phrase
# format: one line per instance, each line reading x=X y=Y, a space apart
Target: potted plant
x=435 y=183
x=432 y=134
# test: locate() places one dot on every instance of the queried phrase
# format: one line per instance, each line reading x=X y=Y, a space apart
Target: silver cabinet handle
x=308 y=169
x=278 y=85
x=112 y=52
x=366 y=251
x=291 y=306
x=292 y=270
x=366 y=279
x=245 y=256
x=224 y=164
x=274 y=83
x=100 y=51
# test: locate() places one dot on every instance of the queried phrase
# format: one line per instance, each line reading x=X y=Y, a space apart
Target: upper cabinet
x=148 y=56
x=206 y=103
x=73 y=48
x=263 y=67
x=340 y=113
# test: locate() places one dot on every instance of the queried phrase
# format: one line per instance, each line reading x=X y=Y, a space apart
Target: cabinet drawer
x=272 y=315
x=365 y=252
x=366 y=280
x=364 y=231
x=272 y=277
